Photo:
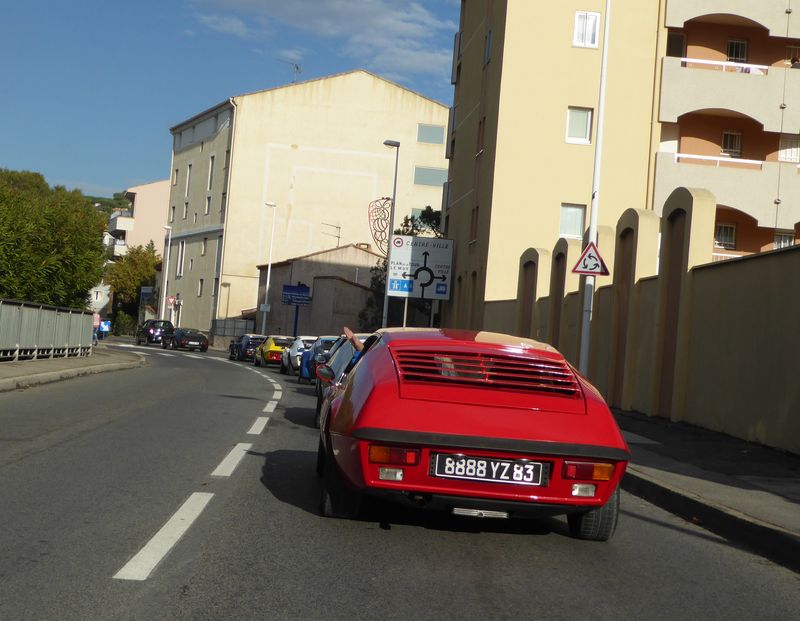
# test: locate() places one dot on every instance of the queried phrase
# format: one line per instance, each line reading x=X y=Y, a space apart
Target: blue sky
x=91 y=88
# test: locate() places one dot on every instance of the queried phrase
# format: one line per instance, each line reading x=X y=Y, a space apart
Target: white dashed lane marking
x=228 y=465
x=259 y=425
x=141 y=565
x=270 y=407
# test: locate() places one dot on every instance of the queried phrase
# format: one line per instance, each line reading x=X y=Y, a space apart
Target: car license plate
x=194 y=342
x=514 y=471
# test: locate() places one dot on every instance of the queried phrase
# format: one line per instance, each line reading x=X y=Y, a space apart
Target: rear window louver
x=497 y=371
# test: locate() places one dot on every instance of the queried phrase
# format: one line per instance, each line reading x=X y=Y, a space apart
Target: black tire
x=337 y=500
x=163 y=344
x=597 y=524
x=318 y=412
x=320 y=459
x=256 y=360
x=283 y=368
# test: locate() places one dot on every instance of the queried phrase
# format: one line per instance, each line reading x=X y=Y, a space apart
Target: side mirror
x=325 y=373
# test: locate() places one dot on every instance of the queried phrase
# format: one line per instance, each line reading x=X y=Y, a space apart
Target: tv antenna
x=337 y=234
x=296 y=68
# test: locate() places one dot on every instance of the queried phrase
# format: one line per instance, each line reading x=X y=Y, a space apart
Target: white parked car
x=290 y=357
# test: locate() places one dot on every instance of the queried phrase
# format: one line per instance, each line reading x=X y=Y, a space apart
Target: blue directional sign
x=299 y=295
x=401 y=285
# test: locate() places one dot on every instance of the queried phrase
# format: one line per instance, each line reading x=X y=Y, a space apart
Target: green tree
x=135 y=270
x=51 y=248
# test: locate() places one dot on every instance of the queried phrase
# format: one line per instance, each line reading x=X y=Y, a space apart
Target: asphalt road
x=154 y=494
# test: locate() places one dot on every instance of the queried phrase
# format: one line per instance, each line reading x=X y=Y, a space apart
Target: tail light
x=588 y=471
x=393 y=455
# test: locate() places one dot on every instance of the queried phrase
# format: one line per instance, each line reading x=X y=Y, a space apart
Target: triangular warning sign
x=591 y=263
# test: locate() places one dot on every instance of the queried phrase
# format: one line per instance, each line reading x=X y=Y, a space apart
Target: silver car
x=290 y=357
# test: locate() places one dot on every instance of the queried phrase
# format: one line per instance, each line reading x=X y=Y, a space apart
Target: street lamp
x=269 y=269
x=165 y=277
x=396 y=146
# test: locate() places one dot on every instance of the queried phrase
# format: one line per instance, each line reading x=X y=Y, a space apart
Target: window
x=185 y=209
x=487 y=48
x=725 y=236
x=172 y=213
x=579 y=125
x=175 y=177
x=208 y=205
x=200 y=288
x=732 y=143
x=181 y=256
x=194 y=220
x=210 y=172
x=573 y=221
x=473 y=225
x=223 y=203
x=227 y=158
x=191 y=264
x=792 y=53
x=789 y=150
x=586 y=29
x=676 y=44
x=784 y=239
x=737 y=50
x=203 y=247
x=431 y=134
x=430 y=176
x=188 y=179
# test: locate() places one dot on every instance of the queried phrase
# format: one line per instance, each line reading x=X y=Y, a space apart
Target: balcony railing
x=722 y=160
x=725 y=65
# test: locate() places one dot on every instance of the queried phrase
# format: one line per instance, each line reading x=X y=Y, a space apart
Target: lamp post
x=396 y=146
x=165 y=279
x=269 y=269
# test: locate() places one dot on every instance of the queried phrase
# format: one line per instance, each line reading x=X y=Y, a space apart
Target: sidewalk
x=25 y=373
x=744 y=492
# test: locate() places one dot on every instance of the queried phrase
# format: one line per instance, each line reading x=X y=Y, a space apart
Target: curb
x=763 y=539
x=27 y=381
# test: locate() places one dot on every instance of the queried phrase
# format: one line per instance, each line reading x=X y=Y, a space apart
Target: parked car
x=184 y=338
x=151 y=330
x=244 y=347
x=474 y=423
x=269 y=352
x=290 y=357
x=308 y=362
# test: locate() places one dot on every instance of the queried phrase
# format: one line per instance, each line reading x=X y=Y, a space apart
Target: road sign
x=299 y=295
x=420 y=267
x=591 y=263
x=171 y=300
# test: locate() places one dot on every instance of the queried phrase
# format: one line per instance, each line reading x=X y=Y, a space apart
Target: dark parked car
x=151 y=330
x=184 y=338
x=473 y=423
x=244 y=347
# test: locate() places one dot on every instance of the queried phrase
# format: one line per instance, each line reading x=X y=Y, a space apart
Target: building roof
x=229 y=101
x=319 y=252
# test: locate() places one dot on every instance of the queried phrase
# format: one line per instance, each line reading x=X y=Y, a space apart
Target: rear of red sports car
x=478 y=424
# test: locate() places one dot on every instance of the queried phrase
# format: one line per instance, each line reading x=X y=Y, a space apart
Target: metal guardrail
x=31 y=331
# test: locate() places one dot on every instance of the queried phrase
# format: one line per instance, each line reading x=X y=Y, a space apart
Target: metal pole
x=269 y=269
x=588 y=287
x=166 y=275
x=396 y=146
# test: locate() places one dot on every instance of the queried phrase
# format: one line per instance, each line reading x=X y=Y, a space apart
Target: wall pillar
x=534 y=268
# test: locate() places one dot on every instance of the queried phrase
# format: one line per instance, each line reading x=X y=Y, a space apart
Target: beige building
x=144 y=221
x=313 y=149
x=700 y=93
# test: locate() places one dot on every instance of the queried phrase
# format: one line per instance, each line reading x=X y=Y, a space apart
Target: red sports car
x=475 y=423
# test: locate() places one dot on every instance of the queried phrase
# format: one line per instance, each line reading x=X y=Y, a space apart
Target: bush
x=124 y=325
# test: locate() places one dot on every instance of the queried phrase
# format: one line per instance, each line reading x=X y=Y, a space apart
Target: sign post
x=298 y=296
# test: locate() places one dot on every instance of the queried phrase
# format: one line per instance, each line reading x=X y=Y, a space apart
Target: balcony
x=756 y=91
x=750 y=186
x=120 y=221
x=118 y=247
x=771 y=14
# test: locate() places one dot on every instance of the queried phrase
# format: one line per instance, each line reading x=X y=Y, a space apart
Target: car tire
x=597 y=524
x=163 y=344
x=283 y=368
x=318 y=412
x=256 y=360
x=336 y=499
x=320 y=459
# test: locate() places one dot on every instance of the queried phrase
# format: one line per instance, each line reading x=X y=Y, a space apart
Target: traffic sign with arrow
x=591 y=263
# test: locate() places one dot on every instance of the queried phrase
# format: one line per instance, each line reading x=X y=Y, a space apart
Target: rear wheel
x=337 y=500
x=283 y=368
x=598 y=524
x=257 y=360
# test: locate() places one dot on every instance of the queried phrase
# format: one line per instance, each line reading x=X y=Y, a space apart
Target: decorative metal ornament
x=379 y=211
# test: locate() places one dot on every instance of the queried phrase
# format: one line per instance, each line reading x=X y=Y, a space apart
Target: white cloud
x=395 y=38
x=226 y=25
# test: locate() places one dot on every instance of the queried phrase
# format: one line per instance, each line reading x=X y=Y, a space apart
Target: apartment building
x=289 y=171
x=144 y=221
x=699 y=93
